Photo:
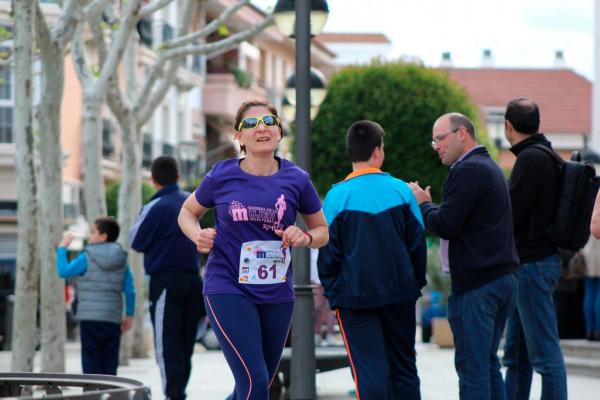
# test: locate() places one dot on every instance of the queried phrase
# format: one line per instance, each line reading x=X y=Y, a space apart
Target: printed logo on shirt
x=271 y=218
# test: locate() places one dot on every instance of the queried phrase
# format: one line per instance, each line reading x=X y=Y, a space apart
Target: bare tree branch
x=118 y=46
x=115 y=99
x=93 y=9
x=153 y=7
x=70 y=16
x=98 y=34
x=80 y=58
x=157 y=70
x=145 y=109
x=207 y=48
x=208 y=29
x=42 y=31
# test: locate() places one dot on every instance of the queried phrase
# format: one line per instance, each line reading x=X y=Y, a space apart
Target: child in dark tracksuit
x=102 y=276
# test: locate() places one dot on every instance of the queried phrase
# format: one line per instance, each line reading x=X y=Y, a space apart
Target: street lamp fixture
x=289 y=111
x=317 y=88
x=285 y=16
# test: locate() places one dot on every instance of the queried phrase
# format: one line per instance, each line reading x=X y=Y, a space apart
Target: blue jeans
x=477 y=319
x=532 y=341
x=591 y=304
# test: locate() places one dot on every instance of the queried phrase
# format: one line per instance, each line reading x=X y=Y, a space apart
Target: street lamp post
x=303 y=365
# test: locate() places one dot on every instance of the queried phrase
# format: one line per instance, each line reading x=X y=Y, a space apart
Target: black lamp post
x=296 y=17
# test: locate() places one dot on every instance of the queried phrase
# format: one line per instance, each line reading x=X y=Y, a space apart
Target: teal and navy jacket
x=376 y=253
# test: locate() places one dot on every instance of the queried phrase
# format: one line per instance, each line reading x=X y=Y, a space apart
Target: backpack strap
x=551 y=153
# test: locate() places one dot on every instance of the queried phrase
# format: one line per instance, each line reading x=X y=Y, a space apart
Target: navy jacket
x=376 y=253
x=156 y=233
x=476 y=217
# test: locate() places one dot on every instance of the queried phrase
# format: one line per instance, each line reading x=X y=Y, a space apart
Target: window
x=6 y=125
x=144 y=28
x=5 y=84
x=6 y=104
x=168 y=149
x=495 y=126
x=147 y=150
x=167 y=32
x=70 y=201
x=108 y=148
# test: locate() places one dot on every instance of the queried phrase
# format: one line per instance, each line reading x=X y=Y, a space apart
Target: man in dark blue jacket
x=475 y=226
x=373 y=269
x=172 y=261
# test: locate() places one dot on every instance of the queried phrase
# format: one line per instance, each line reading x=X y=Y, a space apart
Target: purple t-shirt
x=249 y=208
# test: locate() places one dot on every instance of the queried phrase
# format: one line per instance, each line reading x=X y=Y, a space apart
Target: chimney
x=446 y=60
x=487 y=61
x=559 y=59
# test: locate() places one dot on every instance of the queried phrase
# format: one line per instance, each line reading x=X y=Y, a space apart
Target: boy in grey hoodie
x=102 y=276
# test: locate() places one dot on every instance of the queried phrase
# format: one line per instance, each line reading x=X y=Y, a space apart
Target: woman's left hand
x=293 y=237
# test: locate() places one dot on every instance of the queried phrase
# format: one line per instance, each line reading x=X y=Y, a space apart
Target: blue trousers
x=477 y=318
x=252 y=337
x=100 y=342
x=591 y=304
x=381 y=348
x=532 y=341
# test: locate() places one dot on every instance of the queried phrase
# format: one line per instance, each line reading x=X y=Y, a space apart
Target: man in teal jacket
x=373 y=269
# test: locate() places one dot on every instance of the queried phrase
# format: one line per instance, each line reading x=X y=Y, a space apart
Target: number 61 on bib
x=263 y=262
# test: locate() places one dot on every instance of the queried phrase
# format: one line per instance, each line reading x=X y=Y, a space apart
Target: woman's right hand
x=205 y=239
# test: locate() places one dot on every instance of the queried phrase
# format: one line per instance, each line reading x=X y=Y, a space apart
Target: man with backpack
x=532 y=341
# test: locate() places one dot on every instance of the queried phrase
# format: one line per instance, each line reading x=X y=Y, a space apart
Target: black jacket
x=533 y=189
x=475 y=217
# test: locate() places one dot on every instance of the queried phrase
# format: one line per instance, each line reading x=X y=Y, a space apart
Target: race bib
x=263 y=262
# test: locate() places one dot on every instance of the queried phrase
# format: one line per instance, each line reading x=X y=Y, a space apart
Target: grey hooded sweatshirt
x=100 y=289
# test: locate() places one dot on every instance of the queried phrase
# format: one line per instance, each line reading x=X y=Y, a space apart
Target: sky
x=520 y=33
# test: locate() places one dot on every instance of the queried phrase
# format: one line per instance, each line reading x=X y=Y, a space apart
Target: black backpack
x=577 y=192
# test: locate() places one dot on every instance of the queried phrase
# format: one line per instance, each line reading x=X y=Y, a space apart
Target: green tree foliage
x=405 y=100
x=112 y=196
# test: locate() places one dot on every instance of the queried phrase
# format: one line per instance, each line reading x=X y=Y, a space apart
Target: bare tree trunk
x=52 y=312
x=130 y=195
x=130 y=202
x=27 y=279
x=95 y=200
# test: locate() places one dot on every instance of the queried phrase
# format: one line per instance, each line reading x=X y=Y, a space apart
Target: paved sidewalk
x=211 y=379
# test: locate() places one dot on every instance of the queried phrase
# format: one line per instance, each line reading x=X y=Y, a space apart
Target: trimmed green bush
x=405 y=99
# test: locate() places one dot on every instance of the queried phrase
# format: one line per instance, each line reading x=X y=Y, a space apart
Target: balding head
x=453 y=136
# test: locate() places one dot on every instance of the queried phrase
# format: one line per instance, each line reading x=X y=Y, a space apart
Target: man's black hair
x=164 y=170
x=524 y=115
x=362 y=138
